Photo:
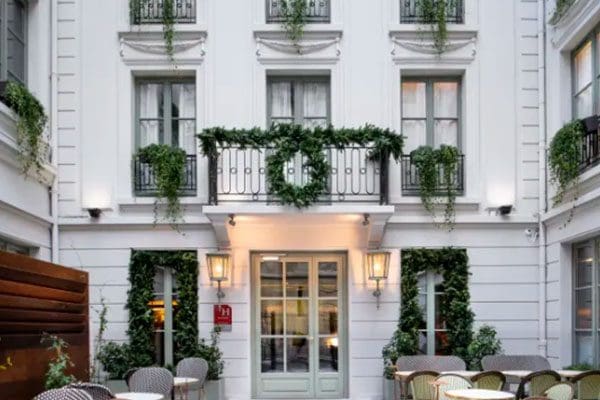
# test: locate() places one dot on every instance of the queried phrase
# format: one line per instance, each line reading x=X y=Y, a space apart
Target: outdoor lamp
x=218 y=269
x=378 y=266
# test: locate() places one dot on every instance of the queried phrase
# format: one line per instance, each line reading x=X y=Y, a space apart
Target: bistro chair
x=503 y=362
x=152 y=380
x=96 y=391
x=539 y=382
x=536 y=398
x=63 y=394
x=128 y=373
x=491 y=380
x=193 y=367
x=446 y=382
x=419 y=384
x=587 y=385
x=430 y=363
x=560 y=391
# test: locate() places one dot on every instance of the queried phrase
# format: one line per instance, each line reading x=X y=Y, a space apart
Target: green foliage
x=294 y=13
x=212 y=354
x=56 y=376
x=562 y=6
x=186 y=319
x=564 y=157
x=428 y=162
x=434 y=13
x=168 y=164
x=289 y=139
x=485 y=343
x=401 y=344
x=31 y=123
x=115 y=359
x=580 y=367
x=168 y=21
x=103 y=322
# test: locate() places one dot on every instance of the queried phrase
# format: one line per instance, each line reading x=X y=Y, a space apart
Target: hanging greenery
x=562 y=6
x=455 y=307
x=564 y=158
x=290 y=139
x=434 y=13
x=167 y=19
x=437 y=169
x=168 y=164
x=31 y=123
x=294 y=13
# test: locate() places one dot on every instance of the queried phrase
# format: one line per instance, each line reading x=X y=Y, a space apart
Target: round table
x=139 y=396
x=479 y=394
x=517 y=373
x=182 y=385
x=568 y=374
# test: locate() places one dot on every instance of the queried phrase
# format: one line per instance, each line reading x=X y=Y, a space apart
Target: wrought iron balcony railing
x=144 y=183
x=412 y=13
x=590 y=145
x=152 y=11
x=317 y=11
x=410 y=177
x=240 y=175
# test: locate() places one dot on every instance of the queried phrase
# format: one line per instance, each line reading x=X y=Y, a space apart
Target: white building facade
x=113 y=90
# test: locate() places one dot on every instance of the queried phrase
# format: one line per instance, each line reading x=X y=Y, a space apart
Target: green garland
x=289 y=139
x=562 y=6
x=434 y=13
x=168 y=165
x=427 y=161
x=294 y=13
x=31 y=123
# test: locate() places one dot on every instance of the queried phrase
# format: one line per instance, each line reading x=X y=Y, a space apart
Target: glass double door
x=299 y=319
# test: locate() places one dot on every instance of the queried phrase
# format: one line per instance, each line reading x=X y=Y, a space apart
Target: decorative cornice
x=315 y=47
x=300 y=48
x=161 y=48
x=428 y=47
x=410 y=47
x=140 y=48
x=581 y=17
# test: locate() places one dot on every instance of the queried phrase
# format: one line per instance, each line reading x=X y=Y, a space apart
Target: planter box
x=117 y=385
x=214 y=390
x=388 y=389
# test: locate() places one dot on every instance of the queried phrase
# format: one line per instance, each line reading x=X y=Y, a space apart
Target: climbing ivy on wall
x=562 y=6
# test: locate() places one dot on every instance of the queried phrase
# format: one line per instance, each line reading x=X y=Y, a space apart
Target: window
x=301 y=100
x=431 y=112
x=13 y=28
x=433 y=338
x=9 y=247
x=164 y=307
x=586 y=77
x=586 y=292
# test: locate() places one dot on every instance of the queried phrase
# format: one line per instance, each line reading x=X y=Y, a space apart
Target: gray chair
x=63 y=394
x=538 y=382
x=193 y=367
x=430 y=363
x=152 y=380
x=96 y=391
x=504 y=362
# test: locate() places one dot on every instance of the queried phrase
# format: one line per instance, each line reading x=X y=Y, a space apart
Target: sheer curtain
x=414 y=114
x=445 y=106
x=150 y=95
x=281 y=102
x=184 y=124
x=315 y=104
x=583 y=81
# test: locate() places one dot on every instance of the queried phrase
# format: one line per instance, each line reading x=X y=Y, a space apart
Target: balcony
x=411 y=13
x=239 y=176
x=318 y=11
x=410 y=177
x=144 y=183
x=590 y=145
x=151 y=11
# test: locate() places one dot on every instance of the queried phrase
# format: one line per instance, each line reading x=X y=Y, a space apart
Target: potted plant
x=402 y=343
x=213 y=387
x=116 y=362
x=485 y=343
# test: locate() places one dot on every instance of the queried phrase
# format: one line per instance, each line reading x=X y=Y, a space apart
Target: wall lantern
x=218 y=269
x=378 y=266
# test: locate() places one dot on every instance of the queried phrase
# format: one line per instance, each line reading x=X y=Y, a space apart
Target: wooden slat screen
x=38 y=297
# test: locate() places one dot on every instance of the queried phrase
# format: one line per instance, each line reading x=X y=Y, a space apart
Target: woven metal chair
x=587 y=385
x=96 y=391
x=193 y=367
x=536 y=398
x=504 y=362
x=419 y=384
x=538 y=382
x=446 y=382
x=152 y=380
x=491 y=380
x=128 y=373
x=561 y=391
x=430 y=363
x=63 y=394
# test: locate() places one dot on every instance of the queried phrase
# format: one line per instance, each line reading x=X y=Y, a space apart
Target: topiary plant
x=115 y=359
x=485 y=343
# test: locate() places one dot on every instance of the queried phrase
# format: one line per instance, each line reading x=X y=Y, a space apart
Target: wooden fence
x=38 y=297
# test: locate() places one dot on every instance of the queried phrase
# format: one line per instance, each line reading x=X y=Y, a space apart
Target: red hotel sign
x=222 y=316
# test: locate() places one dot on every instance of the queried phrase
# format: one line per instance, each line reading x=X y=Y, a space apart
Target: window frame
x=4 y=71
x=14 y=248
x=168 y=330
x=430 y=107
x=593 y=38
x=430 y=310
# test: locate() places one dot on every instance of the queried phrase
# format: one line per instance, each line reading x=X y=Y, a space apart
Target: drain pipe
x=542 y=179
x=54 y=125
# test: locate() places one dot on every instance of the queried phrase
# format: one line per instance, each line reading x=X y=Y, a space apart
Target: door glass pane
x=583 y=66
x=583 y=103
x=298 y=350
x=415 y=132
x=422 y=285
x=445 y=132
x=441 y=343
x=328 y=354
x=271 y=354
x=315 y=99
x=414 y=99
x=584 y=266
x=328 y=279
x=297 y=317
x=584 y=348
x=183 y=110
x=328 y=317
x=271 y=316
x=151 y=113
x=583 y=307
x=271 y=279
x=422 y=342
x=445 y=99
x=281 y=100
x=296 y=279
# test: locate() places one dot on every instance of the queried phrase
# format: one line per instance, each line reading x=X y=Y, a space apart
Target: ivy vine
x=289 y=139
x=168 y=165
x=167 y=19
x=434 y=13
x=294 y=14
x=31 y=123
x=437 y=169
x=562 y=6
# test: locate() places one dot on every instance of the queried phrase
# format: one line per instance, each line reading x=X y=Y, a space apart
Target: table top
x=568 y=373
x=182 y=381
x=479 y=394
x=466 y=374
x=139 y=396
x=517 y=372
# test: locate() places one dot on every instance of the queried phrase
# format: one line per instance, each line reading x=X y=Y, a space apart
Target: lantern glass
x=378 y=264
x=218 y=266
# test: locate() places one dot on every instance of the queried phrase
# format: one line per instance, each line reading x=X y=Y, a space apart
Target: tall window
x=13 y=28
x=301 y=100
x=431 y=112
x=164 y=307
x=433 y=338
x=586 y=77
x=586 y=281
x=9 y=247
x=166 y=113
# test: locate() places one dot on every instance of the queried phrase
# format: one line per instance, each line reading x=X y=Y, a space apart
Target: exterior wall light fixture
x=94 y=212
x=219 y=265
x=377 y=264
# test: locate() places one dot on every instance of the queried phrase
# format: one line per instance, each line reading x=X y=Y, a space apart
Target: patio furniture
x=536 y=398
x=587 y=385
x=430 y=363
x=420 y=385
x=96 y=391
x=515 y=362
x=182 y=385
x=139 y=396
x=63 y=394
x=479 y=394
x=538 y=382
x=561 y=391
x=193 y=367
x=152 y=380
x=570 y=373
x=490 y=380
x=445 y=382
x=128 y=373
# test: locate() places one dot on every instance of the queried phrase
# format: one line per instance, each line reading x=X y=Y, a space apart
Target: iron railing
x=151 y=11
x=410 y=177
x=240 y=175
x=144 y=183
x=590 y=149
x=317 y=11
x=412 y=13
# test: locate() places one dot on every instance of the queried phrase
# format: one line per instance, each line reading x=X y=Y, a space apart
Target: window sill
x=141 y=28
x=316 y=28
x=413 y=28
